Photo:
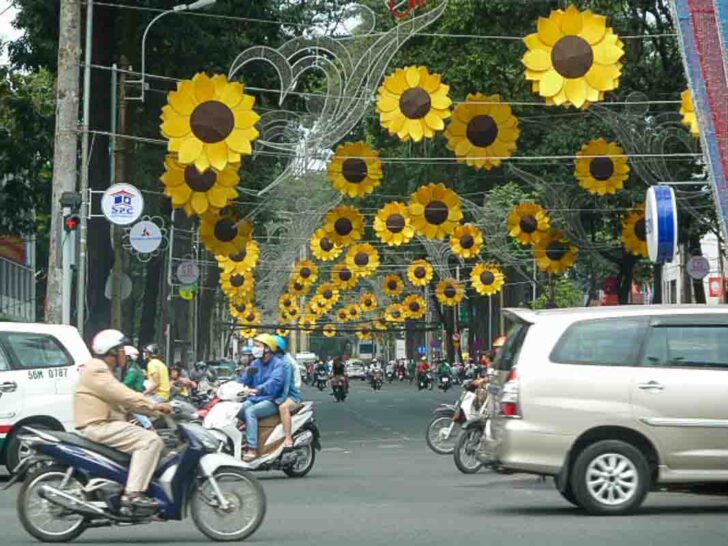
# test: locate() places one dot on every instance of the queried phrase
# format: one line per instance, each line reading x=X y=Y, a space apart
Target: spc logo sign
x=122 y=204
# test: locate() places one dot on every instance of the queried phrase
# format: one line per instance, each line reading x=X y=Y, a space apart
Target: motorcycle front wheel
x=466 y=450
x=245 y=511
x=43 y=519
x=441 y=438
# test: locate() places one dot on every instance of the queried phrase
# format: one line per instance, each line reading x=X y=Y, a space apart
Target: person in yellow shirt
x=157 y=374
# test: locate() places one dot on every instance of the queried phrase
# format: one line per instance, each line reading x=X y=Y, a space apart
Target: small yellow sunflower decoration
x=344 y=277
x=292 y=314
x=251 y=317
x=364 y=332
x=298 y=288
x=574 y=58
x=554 y=252
x=450 y=292
x=527 y=222
x=283 y=332
x=362 y=259
x=287 y=302
x=224 y=234
x=355 y=169
x=435 y=211
x=393 y=225
x=467 y=241
x=305 y=271
x=209 y=122
x=330 y=292
x=487 y=279
x=329 y=330
x=368 y=302
x=393 y=285
x=415 y=306
x=601 y=167
x=241 y=262
x=238 y=286
x=237 y=310
x=420 y=273
x=343 y=315
x=318 y=306
x=483 y=131
x=634 y=237
x=687 y=111
x=380 y=324
x=247 y=333
x=323 y=248
x=344 y=225
x=198 y=192
x=413 y=103
x=354 y=312
x=308 y=323
x=396 y=312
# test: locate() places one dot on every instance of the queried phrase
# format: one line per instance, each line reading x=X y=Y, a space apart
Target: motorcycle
x=338 y=385
x=72 y=484
x=377 y=380
x=222 y=421
x=445 y=382
x=425 y=381
x=321 y=379
x=401 y=374
x=445 y=427
x=390 y=375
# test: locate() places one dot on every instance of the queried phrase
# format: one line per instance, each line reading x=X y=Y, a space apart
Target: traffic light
x=71 y=222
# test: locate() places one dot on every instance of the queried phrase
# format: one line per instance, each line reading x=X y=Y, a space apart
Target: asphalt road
x=376 y=483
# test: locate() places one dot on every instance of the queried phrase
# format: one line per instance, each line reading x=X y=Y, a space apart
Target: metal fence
x=17 y=291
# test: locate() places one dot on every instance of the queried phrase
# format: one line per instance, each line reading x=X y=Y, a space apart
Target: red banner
x=12 y=248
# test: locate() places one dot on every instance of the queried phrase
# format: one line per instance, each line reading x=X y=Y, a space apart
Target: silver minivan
x=613 y=401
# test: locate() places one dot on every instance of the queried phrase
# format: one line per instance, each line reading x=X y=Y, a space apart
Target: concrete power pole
x=64 y=156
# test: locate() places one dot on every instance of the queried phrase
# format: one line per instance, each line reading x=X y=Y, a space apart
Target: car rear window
x=512 y=347
x=687 y=346
x=29 y=351
x=604 y=342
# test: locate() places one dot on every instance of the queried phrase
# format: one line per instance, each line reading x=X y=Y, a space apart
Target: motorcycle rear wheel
x=465 y=451
x=302 y=468
x=28 y=497
x=435 y=442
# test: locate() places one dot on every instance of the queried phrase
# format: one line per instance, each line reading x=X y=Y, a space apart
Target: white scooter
x=296 y=462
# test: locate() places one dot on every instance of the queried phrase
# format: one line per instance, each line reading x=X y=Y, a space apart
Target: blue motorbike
x=72 y=484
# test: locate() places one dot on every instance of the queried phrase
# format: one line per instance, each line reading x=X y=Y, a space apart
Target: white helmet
x=106 y=341
x=131 y=351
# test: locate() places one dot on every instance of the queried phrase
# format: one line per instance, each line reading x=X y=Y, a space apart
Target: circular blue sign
x=661 y=224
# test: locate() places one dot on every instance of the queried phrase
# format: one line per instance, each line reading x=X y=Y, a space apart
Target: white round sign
x=125 y=286
x=661 y=223
x=188 y=272
x=145 y=237
x=122 y=204
x=698 y=267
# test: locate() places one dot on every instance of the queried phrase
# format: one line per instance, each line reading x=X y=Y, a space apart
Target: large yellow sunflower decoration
x=355 y=169
x=330 y=292
x=329 y=330
x=450 y=292
x=554 y=252
x=323 y=248
x=344 y=225
x=344 y=277
x=238 y=310
x=198 y=192
x=415 y=306
x=396 y=312
x=420 y=273
x=574 y=58
x=527 y=222
x=393 y=225
x=687 y=111
x=483 y=131
x=241 y=262
x=362 y=259
x=393 y=285
x=224 y=234
x=306 y=272
x=413 y=103
x=209 y=122
x=601 y=167
x=251 y=317
x=467 y=241
x=368 y=302
x=487 y=279
x=634 y=237
x=435 y=211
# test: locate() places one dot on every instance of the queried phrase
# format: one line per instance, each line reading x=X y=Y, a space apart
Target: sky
x=7 y=32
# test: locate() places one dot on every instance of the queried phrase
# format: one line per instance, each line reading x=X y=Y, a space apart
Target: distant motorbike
x=377 y=380
x=445 y=382
x=338 y=385
x=72 y=484
x=401 y=374
x=425 y=381
x=321 y=379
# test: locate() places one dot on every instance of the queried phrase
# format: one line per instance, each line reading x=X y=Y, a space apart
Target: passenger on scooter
x=266 y=378
x=100 y=404
x=291 y=391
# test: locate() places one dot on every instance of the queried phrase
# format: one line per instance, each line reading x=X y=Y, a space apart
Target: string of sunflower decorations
x=572 y=60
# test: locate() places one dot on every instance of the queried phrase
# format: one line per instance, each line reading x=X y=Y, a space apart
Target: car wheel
x=568 y=495
x=610 y=477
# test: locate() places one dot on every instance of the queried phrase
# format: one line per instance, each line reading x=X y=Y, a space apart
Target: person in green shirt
x=134 y=379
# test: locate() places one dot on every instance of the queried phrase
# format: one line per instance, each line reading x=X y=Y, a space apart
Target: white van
x=39 y=366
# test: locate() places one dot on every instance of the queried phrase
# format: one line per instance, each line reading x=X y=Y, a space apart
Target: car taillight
x=509 y=398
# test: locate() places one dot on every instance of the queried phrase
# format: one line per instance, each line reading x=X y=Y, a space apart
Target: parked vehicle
x=222 y=422
x=39 y=366
x=73 y=484
x=444 y=428
x=338 y=385
x=613 y=401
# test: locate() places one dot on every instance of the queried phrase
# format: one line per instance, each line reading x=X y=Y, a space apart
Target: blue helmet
x=282 y=343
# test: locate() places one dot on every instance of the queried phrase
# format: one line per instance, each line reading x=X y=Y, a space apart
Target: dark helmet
x=151 y=349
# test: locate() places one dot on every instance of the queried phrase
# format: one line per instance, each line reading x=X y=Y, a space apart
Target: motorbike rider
x=100 y=405
x=291 y=395
x=157 y=373
x=134 y=378
x=423 y=368
x=181 y=384
x=266 y=378
x=338 y=371
x=443 y=369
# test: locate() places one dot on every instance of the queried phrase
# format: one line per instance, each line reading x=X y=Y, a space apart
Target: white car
x=39 y=367
x=355 y=369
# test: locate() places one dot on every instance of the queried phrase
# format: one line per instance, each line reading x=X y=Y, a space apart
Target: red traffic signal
x=71 y=222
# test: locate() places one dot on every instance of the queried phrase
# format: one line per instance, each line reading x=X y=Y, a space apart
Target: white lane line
x=333 y=449
x=390 y=446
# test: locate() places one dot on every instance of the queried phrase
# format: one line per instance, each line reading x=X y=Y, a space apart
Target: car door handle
x=8 y=386
x=651 y=386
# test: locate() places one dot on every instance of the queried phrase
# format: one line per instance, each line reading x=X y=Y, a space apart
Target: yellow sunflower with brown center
x=467 y=241
x=248 y=333
x=634 y=235
x=354 y=312
x=344 y=225
x=380 y=324
x=420 y=273
x=209 y=122
x=393 y=225
x=199 y=192
x=330 y=292
x=329 y=330
x=323 y=248
x=393 y=285
x=435 y=211
x=287 y=302
x=601 y=167
x=241 y=262
x=415 y=306
x=396 y=312
x=298 y=288
x=483 y=131
x=527 y=222
x=224 y=234
x=574 y=58
x=364 y=332
x=305 y=271
x=344 y=277
x=319 y=306
x=450 y=292
x=554 y=252
x=238 y=286
x=687 y=111
x=368 y=302
x=413 y=103
x=362 y=259
x=487 y=279
x=355 y=169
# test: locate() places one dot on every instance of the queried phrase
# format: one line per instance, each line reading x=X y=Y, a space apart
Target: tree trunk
x=148 y=323
x=626 y=275
x=657 y=288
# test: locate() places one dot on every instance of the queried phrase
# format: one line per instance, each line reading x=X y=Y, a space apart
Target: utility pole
x=120 y=174
x=58 y=304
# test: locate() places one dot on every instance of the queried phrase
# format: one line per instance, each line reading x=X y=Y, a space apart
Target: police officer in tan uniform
x=100 y=407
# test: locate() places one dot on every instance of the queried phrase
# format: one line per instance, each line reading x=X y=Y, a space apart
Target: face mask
x=258 y=352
